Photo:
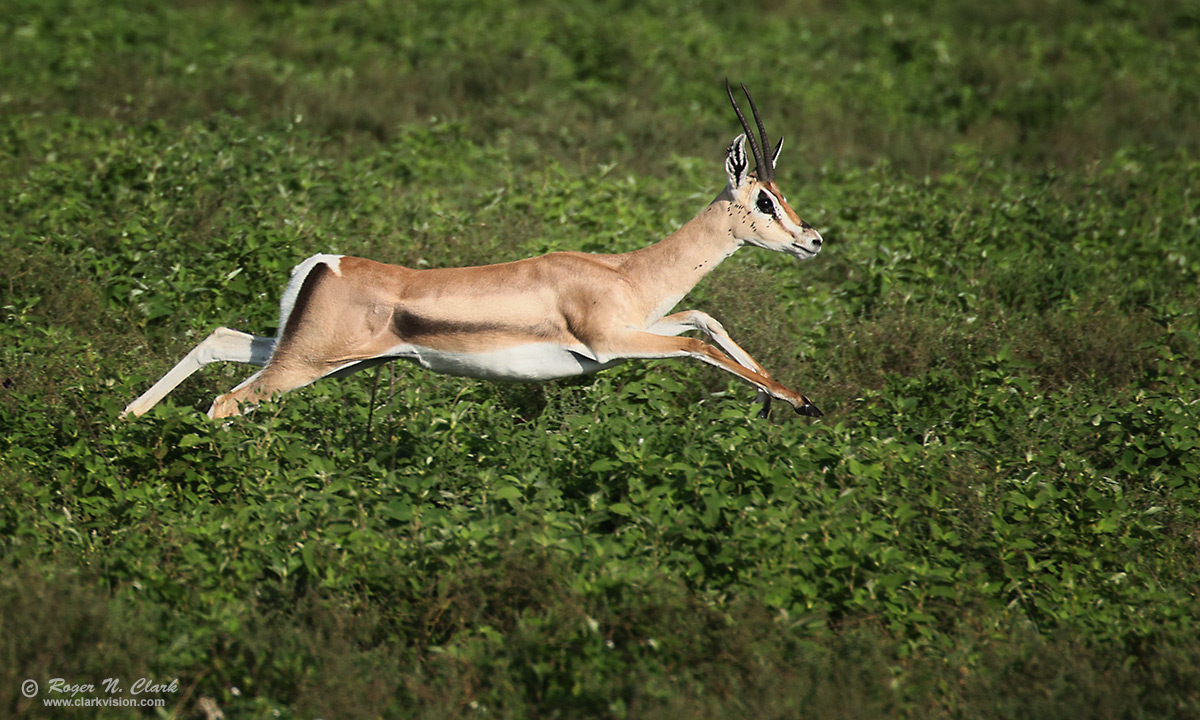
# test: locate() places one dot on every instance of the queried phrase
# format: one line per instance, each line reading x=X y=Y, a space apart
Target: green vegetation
x=997 y=518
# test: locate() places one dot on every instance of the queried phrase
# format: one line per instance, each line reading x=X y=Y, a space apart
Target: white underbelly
x=520 y=363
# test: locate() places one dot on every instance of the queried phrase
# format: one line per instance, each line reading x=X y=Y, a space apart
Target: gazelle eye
x=765 y=204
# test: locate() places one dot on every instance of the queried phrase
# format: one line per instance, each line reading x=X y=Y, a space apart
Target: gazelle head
x=759 y=212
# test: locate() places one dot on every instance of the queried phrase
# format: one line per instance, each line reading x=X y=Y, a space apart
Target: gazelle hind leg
x=223 y=345
x=275 y=379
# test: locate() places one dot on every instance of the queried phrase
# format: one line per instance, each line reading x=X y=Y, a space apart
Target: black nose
x=817 y=241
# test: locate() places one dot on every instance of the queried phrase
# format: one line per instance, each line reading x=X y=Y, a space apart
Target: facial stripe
x=791 y=214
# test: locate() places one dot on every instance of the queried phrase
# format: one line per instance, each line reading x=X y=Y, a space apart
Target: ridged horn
x=765 y=170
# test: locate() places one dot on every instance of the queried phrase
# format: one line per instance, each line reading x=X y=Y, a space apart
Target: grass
x=997 y=518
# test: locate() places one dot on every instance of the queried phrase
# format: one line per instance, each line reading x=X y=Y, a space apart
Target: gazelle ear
x=775 y=157
x=735 y=161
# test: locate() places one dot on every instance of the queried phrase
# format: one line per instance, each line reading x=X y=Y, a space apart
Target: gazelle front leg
x=681 y=322
x=647 y=345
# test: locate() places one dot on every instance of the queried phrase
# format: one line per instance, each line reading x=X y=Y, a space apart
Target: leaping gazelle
x=542 y=318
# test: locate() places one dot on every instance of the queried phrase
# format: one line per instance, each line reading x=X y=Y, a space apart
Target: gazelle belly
x=519 y=363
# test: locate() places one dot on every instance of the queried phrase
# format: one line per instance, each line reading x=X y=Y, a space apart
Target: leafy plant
x=997 y=517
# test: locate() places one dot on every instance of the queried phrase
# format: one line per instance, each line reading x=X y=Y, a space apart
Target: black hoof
x=809 y=409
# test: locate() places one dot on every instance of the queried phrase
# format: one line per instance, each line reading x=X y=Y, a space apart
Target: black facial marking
x=765 y=204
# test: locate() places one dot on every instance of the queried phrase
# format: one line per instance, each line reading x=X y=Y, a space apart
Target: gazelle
x=541 y=318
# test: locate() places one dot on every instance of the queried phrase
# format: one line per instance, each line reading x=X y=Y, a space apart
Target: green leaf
x=509 y=492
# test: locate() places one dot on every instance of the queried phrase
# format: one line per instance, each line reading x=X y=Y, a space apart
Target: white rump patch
x=299 y=275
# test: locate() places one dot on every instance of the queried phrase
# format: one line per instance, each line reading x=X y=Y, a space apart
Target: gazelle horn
x=766 y=170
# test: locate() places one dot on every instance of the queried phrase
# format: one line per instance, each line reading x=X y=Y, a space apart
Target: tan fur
x=576 y=312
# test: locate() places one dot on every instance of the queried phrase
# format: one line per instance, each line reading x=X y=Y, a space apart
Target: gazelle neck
x=670 y=268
